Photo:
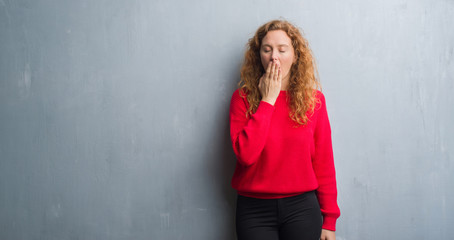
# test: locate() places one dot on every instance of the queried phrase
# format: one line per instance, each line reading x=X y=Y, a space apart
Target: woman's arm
x=248 y=135
x=323 y=164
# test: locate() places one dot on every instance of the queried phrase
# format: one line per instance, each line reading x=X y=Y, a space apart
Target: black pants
x=292 y=218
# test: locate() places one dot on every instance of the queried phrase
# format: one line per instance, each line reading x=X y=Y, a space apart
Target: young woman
x=281 y=135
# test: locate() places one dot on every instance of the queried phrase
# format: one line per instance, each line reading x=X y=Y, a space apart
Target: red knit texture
x=278 y=158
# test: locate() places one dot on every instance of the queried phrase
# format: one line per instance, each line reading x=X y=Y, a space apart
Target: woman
x=281 y=135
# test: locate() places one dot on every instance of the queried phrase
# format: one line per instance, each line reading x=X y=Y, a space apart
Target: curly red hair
x=303 y=79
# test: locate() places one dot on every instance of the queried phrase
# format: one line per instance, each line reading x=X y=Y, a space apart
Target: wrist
x=270 y=101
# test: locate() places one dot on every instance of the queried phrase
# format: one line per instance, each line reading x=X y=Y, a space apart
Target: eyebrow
x=280 y=45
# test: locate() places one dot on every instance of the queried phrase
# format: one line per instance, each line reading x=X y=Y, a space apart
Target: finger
x=268 y=69
x=272 y=71
x=273 y=68
x=278 y=74
x=276 y=71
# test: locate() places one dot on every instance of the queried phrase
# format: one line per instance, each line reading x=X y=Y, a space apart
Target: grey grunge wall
x=114 y=115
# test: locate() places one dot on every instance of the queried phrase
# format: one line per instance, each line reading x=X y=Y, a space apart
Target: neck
x=284 y=84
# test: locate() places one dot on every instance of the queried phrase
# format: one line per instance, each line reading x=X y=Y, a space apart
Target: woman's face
x=277 y=46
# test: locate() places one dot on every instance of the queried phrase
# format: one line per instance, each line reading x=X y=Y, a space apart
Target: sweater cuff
x=265 y=106
x=329 y=223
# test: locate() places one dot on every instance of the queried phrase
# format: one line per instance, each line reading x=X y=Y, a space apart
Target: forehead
x=276 y=37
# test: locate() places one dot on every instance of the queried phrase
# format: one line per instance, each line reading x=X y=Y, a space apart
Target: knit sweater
x=278 y=158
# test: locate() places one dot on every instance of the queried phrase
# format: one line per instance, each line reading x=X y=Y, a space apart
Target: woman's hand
x=328 y=235
x=270 y=83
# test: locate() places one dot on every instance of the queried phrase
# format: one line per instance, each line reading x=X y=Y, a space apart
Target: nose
x=274 y=56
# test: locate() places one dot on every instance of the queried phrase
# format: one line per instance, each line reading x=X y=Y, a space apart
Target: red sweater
x=277 y=159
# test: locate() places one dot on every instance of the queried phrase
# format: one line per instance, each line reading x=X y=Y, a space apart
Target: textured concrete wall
x=113 y=115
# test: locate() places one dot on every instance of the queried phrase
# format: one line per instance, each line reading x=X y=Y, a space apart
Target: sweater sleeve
x=248 y=134
x=323 y=164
